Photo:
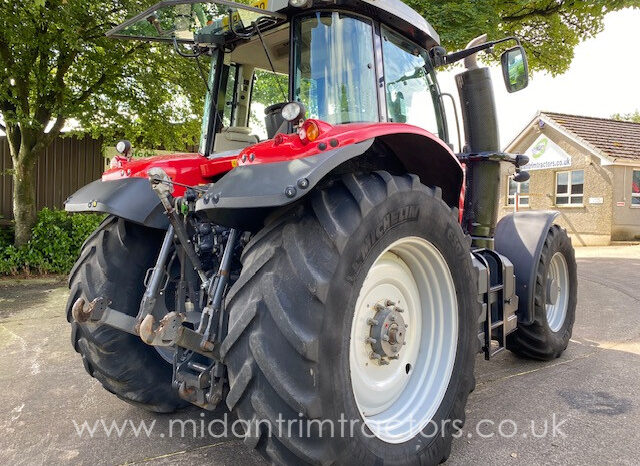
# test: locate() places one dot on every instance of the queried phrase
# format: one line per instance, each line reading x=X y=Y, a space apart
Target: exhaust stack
x=480 y=120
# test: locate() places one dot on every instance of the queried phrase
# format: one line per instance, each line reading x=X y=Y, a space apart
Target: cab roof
x=145 y=26
x=404 y=18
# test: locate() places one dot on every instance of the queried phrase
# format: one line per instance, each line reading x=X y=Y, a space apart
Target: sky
x=604 y=78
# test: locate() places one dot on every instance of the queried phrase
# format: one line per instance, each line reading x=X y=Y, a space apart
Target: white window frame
x=569 y=194
x=634 y=195
x=511 y=198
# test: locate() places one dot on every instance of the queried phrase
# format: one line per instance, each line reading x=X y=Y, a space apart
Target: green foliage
x=57 y=64
x=549 y=29
x=634 y=117
x=54 y=246
x=270 y=88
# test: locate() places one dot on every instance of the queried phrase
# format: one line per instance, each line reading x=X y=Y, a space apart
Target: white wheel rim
x=166 y=352
x=395 y=404
x=557 y=292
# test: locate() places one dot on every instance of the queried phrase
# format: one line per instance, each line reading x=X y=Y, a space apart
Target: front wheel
x=352 y=332
x=555 y=298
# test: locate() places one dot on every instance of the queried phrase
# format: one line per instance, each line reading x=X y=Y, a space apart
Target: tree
x=56 y=64
x=634 y=117
x=549 y=29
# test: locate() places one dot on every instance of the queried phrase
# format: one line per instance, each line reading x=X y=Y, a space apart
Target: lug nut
x=378 y=307
x=373 y=341
x=384 y=362
x=398 y=309
x=389 y=303
x=372 y=322
x=373 y=355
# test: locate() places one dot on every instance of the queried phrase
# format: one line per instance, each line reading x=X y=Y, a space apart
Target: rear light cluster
x=309 y=131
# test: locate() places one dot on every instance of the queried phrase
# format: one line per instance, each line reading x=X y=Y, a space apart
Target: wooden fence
x=67 y=165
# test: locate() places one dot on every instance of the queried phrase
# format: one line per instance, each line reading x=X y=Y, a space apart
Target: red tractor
x=333 y=282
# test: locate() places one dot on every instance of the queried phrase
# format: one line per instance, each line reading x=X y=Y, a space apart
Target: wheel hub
x=553 y=291
x=558 y=291
x=388 y=332
x=403 y=339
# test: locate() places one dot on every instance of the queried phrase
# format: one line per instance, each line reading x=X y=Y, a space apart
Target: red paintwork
x=189 y=169
x=194 y=169
x=292 y=147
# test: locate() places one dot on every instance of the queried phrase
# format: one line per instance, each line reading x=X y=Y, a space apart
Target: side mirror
x=515 y=69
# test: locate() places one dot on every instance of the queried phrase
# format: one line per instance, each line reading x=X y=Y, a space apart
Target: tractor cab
x=357 y=62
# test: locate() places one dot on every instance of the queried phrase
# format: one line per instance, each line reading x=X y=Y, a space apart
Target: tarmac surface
x=588 y=399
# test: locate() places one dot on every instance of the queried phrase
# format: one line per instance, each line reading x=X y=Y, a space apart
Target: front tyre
x=555 y=298
x=352 y=332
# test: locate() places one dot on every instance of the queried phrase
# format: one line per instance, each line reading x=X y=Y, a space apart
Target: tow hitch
x=99 y=312
x=168 y=332
x=198 y=382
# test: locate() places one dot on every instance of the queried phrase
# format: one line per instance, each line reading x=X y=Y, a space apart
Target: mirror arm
x=457 y=56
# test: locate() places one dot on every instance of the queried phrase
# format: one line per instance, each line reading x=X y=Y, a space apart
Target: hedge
x=54 y=246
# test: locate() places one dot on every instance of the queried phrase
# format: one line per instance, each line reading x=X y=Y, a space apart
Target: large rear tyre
x=112 y=264
x=554 y=301
x=371 y=257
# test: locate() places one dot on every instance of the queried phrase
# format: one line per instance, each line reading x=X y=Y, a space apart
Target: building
x=69 y=163
x=586 y=168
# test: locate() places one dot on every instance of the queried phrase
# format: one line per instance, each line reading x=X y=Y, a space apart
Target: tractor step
x=496 y=284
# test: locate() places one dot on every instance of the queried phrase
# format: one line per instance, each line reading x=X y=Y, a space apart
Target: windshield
x=335 y=68
x=189 y=21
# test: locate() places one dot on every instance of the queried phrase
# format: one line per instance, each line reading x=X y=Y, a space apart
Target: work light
x=124 y=147
x=293 y=111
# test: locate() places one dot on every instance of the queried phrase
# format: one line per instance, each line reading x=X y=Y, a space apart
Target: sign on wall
x=544 y=153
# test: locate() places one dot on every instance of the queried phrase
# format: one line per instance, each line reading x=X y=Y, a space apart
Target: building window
x=635 y=189
x=521 y=189
x=570 y=188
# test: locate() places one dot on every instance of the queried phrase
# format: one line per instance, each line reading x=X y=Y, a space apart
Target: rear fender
x=430 y=159
x=125 y=191
x=242 y=197
x=128 y=198
x=520 y=237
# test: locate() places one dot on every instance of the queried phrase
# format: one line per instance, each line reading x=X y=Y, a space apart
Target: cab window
x=412 y=91
x=229 y=79
x=334 y=68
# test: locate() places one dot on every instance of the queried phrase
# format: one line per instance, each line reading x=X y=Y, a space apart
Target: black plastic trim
x=520 y=237
x=130 y=198
x=265 y=185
